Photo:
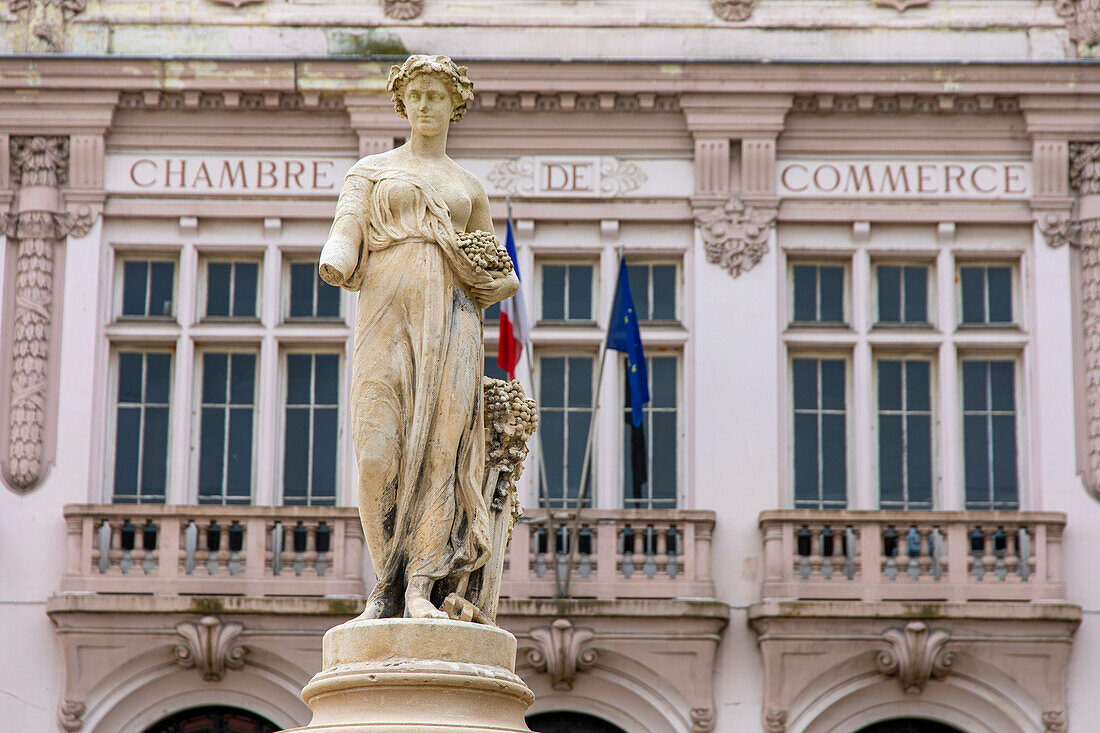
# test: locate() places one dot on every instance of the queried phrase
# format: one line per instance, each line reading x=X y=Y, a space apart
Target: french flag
x=514 y=332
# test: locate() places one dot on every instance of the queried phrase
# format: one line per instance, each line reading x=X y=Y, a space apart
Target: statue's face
x=428 y=104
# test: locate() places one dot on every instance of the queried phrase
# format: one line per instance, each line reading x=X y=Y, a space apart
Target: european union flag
x=624 y=336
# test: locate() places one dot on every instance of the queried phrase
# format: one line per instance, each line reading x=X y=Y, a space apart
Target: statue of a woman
x=399 y=239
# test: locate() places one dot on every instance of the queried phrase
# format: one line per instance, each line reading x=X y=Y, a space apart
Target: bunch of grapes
x=485 y=252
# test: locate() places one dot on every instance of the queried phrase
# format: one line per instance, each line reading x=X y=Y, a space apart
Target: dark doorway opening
x=214 y=719
x=908 y=725
x=564 y=722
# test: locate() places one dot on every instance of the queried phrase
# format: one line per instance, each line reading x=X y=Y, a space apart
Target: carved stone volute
x=210 y=646
x=733 y=10
x=735 y=235
x=901 y=5
x=915 y=655
x=775 y=721
x=562 y=651
x=403 y=9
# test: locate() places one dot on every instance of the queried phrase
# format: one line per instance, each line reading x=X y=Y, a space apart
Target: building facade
x=863 y=240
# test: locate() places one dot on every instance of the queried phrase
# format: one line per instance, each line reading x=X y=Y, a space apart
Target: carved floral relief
x=1082 y=19
x=210 y=646
x=562 y=651
x=735 y=235
x=47 y=19
x=916 y=654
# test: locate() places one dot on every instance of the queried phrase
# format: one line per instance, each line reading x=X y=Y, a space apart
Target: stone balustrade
x=628 y=553
x=211 y=550
x=912 y=555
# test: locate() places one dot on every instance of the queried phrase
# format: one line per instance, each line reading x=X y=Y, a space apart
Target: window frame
x=935 y=434
x=678 y=490
x=820 y=354
x=1015 y=292
x=198 y=370
x=932 y=295
x=288 y=260
x=121 y=257
x=111 y=435
x=593 y=425
x=1016 y=357
x=203 y=280
x=845 y=264
x=278 y=494
x=594 y=263
x=677 y=288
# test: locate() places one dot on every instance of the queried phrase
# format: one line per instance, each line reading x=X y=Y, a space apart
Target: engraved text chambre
x=890 y=178
x=226 y=174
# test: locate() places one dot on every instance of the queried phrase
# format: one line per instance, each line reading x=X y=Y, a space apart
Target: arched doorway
x=564 y=722
x=213 y=719
x=908 y=725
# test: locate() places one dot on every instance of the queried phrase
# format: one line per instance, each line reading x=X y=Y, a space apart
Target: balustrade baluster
x=802 y=544
x=628 y=551
x=890 y=553
x=300 y=542
x=672 y=543
x=126 y=537
x=913 y=552
x=539 y=547
x=584 y=552
x=321 y=544
x=1023 y=551
x=103 y=544
x=850 y=552
x=149 y=546
x=236 y=542
x=649 y=545
x=826 y=540
x=935 y=548
x=213 y=545
x=190 y=547
x=277 y=548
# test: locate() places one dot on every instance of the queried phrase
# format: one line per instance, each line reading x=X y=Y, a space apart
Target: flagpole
x=543 y=491
x=574 y=537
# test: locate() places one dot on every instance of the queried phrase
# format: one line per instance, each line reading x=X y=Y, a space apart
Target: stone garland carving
x=775 y=721
x=916 y=655
x=561 y=651
x=210 y=646
x=403 y=9
x=35 y=162
x=49 y=21
x=733 y=10
x=702 y=720
x=901 y=5
x=1082 y=19
x=618 y=177
x=70 y=714
x=516 y=176
x=735 y=235
x=1054 y=721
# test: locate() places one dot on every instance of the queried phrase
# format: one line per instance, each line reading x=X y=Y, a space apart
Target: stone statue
x=413 y=236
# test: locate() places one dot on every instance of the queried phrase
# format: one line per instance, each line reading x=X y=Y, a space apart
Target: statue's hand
x=337 y=262
x=500 y=288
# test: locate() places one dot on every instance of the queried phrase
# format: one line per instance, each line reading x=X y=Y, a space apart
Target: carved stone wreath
x=403 y=9
x=735 y=235
x=733 y=10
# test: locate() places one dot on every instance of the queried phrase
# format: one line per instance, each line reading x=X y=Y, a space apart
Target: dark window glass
x=564 y=414
x=661 y=433
x=889 y=293
x=310 y=296
x=245 y=275
x=492 y=370
x=820 y=433
x=653 y=288
x=219 y=283
x=905 y=440
x=986 y=294
x=989 y=435
x=141 y=427
x=147 y=288
x=310 y=445
x=818 y=293
x=567 y=292
x=492 y=313
x=902 y=294
x=225 y=440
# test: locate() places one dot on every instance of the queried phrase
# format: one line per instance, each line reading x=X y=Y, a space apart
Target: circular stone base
x=417 y=676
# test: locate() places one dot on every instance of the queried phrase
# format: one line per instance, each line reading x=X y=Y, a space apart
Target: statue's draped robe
x=417 y=421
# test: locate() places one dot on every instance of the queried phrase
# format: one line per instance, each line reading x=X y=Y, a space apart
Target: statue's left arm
x=504 y=286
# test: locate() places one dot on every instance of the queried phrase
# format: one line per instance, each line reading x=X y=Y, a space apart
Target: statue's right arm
x=344 y=249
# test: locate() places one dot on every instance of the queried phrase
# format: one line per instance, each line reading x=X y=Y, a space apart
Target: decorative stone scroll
x=1054 y=721
x=901 y=5
x=916 y=655
x=733 y=10
x=38 y=164
x=403 y=9
x=1082 y=19
x=70 y=713
x=735 y=235
x=775 y=721
x=562 y=651
x=702 y=720
x=210 y=646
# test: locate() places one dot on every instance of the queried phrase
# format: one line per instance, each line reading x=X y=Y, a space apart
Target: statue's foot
x=376 y=608
x=420 y=607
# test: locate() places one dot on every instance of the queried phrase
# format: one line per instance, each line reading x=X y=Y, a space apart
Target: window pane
x=976 y=461
x=214 y=376
x=918 y=447
x=239 y=460
x=552 y=381
x=158 y=374
x=638 y=275
x=580 y=292
x=578 y=437
x=916 y=294
x=492 y=313
x=889 y=293
x=553 y=292
x=552 y=427
x=832 y=294
x=662 y=375
x=1004 y=459
x=135 y=280
x=832 y=384
x=154 y=462
x=663 y=461
x=324 y=456
x=972 y=285
x=491 y=368
x=301 y=289
x=1002 y=385
x=244 y=379
x=805 y=293
x=889 y=385
x=1000 y=294
x=217 y=288
x=805 y=459
x=580 y=382
x=833 y=455
x=161 y=280
x=244 y=290
x=805 y=384
x=974 y=385
x=211 y=451
x=127 y=442
x=299 y=369
x=296 y=456
x=327 y=384
x=328 y=297
x=664 y=293
x=130 y=369
x=890 y=451
x=917 y=385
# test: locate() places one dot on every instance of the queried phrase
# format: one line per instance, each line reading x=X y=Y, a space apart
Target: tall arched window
x=213 y=719
x=565 y=722
x=909 y=725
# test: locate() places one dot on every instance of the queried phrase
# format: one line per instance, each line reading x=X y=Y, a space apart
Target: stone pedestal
x=417 y=676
